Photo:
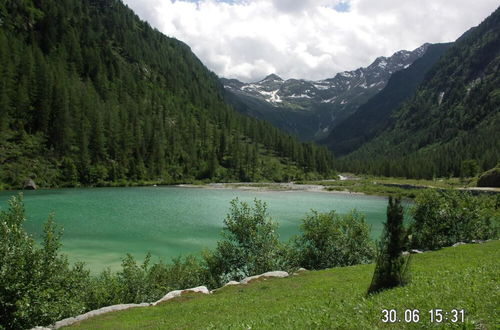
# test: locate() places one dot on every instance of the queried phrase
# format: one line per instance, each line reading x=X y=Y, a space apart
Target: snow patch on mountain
x=272 y=97
x=301 y=96
x=321 y=86
x=382 y=64
x=329 y=100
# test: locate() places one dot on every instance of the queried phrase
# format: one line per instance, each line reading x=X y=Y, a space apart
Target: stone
x=71 y=320
x=178 y=293
x=231 y=283
x=458 y=243
x=29 y=184
x=300 y=270
x=416 y=251
x=279 y=274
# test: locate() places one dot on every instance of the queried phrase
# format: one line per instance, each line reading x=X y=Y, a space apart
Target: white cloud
x=306 y=38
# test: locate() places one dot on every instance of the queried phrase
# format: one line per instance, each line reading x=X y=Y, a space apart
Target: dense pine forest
x=451 y=125
x=90 y=94
x=375 y=115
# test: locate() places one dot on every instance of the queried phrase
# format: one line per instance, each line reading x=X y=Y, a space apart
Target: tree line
x=90 y=94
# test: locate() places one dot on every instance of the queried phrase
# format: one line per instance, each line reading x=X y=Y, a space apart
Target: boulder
x=279 y=274
x=71 y=320
x=178 y=293
x=490 y=178
x=300 y=270
x=29 y=184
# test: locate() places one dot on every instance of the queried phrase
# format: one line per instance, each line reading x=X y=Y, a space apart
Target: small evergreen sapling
x=391 y=269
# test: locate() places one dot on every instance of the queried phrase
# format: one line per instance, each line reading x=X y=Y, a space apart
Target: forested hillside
x=452 y=119
x=90 y=94
x=375 y=115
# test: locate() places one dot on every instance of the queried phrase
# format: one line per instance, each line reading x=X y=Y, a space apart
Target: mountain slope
x=373 y=116
x=310 y=109
x=90 y=94
x=453 y=116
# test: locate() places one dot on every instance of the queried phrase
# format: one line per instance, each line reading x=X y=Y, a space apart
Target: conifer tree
x=391 y=269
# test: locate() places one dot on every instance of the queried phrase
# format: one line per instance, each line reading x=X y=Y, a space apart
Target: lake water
x=101 y=225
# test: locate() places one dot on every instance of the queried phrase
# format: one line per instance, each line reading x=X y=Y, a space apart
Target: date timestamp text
x=415 y=316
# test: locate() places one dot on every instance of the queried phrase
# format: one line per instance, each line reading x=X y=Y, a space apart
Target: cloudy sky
x=309 y=39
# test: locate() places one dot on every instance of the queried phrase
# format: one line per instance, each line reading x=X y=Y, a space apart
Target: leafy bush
x=442 y=218
x=37 y=285
x=330 y=240
x=391 y=268
x=250 y=244
x=146 y=282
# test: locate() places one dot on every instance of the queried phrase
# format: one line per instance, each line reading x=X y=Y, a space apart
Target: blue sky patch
x=342 y=6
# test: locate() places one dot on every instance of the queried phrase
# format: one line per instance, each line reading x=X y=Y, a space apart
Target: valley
x=311 y=109
x=134 y=165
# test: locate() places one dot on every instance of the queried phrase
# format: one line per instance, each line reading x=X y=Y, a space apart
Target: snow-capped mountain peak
x=339 y=96
x=271 y=78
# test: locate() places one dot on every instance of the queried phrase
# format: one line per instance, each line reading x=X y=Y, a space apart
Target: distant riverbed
x=101 y=225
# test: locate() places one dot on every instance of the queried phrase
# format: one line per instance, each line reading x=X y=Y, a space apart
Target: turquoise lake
x=101 y=225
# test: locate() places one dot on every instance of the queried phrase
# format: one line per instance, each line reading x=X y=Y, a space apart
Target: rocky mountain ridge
x=323 y=102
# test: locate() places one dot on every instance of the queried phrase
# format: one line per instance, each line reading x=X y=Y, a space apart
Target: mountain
x=375 y=115
x=452 y=119
x=310 y=109
x=90 y=94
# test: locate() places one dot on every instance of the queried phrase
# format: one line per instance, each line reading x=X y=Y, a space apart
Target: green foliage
x=250 y=243
x=391 y=268
x=146 y=282
x=86 y=84
x=469 y=168
x=442 y=218
x=37 y=285
x=331 y=240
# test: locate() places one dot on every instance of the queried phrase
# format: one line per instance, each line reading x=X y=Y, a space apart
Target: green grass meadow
x=465 y=277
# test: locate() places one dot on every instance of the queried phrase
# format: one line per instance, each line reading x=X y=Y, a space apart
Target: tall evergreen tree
x=392 y=267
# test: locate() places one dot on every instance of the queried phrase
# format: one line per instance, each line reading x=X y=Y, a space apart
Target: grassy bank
x=463 y=277
x=374 y=185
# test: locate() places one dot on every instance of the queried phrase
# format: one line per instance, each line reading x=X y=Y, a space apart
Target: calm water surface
x=101 y=225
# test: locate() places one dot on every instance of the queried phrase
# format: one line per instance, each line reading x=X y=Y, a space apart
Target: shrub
x=330 y=240
x=37 y=285
x=442 y=218
x=391 y=269
x=250 y=244
x=104 y=289
x=181 y=273
x=146 y=282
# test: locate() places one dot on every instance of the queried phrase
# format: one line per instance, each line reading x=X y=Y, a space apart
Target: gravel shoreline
x=271 y=186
